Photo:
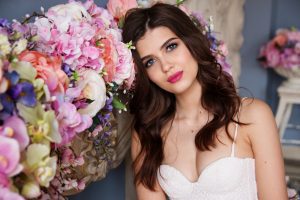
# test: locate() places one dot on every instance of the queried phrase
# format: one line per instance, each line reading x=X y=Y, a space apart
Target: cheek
x=154 y=75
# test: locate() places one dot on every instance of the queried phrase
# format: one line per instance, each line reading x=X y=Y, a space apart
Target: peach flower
x=280 y=40
x=118 y=8
x=48 y=69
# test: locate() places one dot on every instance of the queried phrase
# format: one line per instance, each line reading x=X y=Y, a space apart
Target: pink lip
x=175 y=77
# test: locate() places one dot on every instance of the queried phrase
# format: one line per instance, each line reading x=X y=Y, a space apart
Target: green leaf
x=118 y=104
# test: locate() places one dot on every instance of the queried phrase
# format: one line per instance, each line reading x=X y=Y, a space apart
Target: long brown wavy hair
x=154 y=107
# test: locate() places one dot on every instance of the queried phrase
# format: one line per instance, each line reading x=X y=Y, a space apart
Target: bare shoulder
x=254 y=110
x=260 y=119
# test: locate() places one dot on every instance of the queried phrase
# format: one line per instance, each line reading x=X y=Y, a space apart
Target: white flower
x=43 y=28
x=63 y=14
x=4 y=45
x=91 y=86
x=19 y=46
x=31 y=190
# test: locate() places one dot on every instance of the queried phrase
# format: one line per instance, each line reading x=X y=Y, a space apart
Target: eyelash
x=147 y=65
x=169 y=48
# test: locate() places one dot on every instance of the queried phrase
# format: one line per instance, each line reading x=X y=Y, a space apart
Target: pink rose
x=118 y=8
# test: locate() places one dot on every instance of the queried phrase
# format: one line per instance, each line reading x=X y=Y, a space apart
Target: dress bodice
x=228 y=178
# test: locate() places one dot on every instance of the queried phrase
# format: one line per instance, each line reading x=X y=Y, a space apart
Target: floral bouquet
x=62 y=77
x=283 y=51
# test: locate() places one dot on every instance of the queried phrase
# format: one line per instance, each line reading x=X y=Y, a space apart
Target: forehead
x=153 y=40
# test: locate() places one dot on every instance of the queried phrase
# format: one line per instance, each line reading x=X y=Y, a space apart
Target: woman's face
x=167 y=60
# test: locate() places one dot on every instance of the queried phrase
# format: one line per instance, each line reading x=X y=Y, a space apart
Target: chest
x=181 y=152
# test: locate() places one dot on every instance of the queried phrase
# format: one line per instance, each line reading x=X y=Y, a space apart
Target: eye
x=171 y=46
x=149 y=63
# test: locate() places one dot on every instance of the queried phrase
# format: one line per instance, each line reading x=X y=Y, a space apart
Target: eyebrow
x=162 y=46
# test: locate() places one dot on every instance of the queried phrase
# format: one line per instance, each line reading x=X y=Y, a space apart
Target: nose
x=166 y=64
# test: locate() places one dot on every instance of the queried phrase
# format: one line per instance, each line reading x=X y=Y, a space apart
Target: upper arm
x=265 y=142
x=143 y=193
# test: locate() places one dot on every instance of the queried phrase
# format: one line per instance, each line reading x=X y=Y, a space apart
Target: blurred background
x=261 y=20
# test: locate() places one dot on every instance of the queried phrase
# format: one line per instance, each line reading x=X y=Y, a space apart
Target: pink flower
x=293 y=35
x=9 y=155
x=43 y=28
x=81 y=184
x=289 y=59
x=49 y=69
x=15 y=128
x=9 y=195
x=184 y=9
x=297 y=47
x=118 y=8
x=68 y=157
x=63 y=14
x=125 y=66
x=223 y=49
x=90 y=52
x=71 y=122
x=283 y=50
x=4 y=180
x=273 y=58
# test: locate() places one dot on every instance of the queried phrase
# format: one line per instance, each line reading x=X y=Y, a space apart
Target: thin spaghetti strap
x=233 y=143
x=236 y=130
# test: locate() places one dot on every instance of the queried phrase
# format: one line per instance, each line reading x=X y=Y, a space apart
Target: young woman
x=194 y=138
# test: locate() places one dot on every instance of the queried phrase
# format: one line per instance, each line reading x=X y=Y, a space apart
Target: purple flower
x=7 y=103
x=13 y=77
x=4 y=23
x=24 y=93
x=67 y=69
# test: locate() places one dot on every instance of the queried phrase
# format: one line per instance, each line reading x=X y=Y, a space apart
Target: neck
x=188 y=104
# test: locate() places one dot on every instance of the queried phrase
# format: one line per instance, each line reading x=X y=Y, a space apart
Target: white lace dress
x=228 y=178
